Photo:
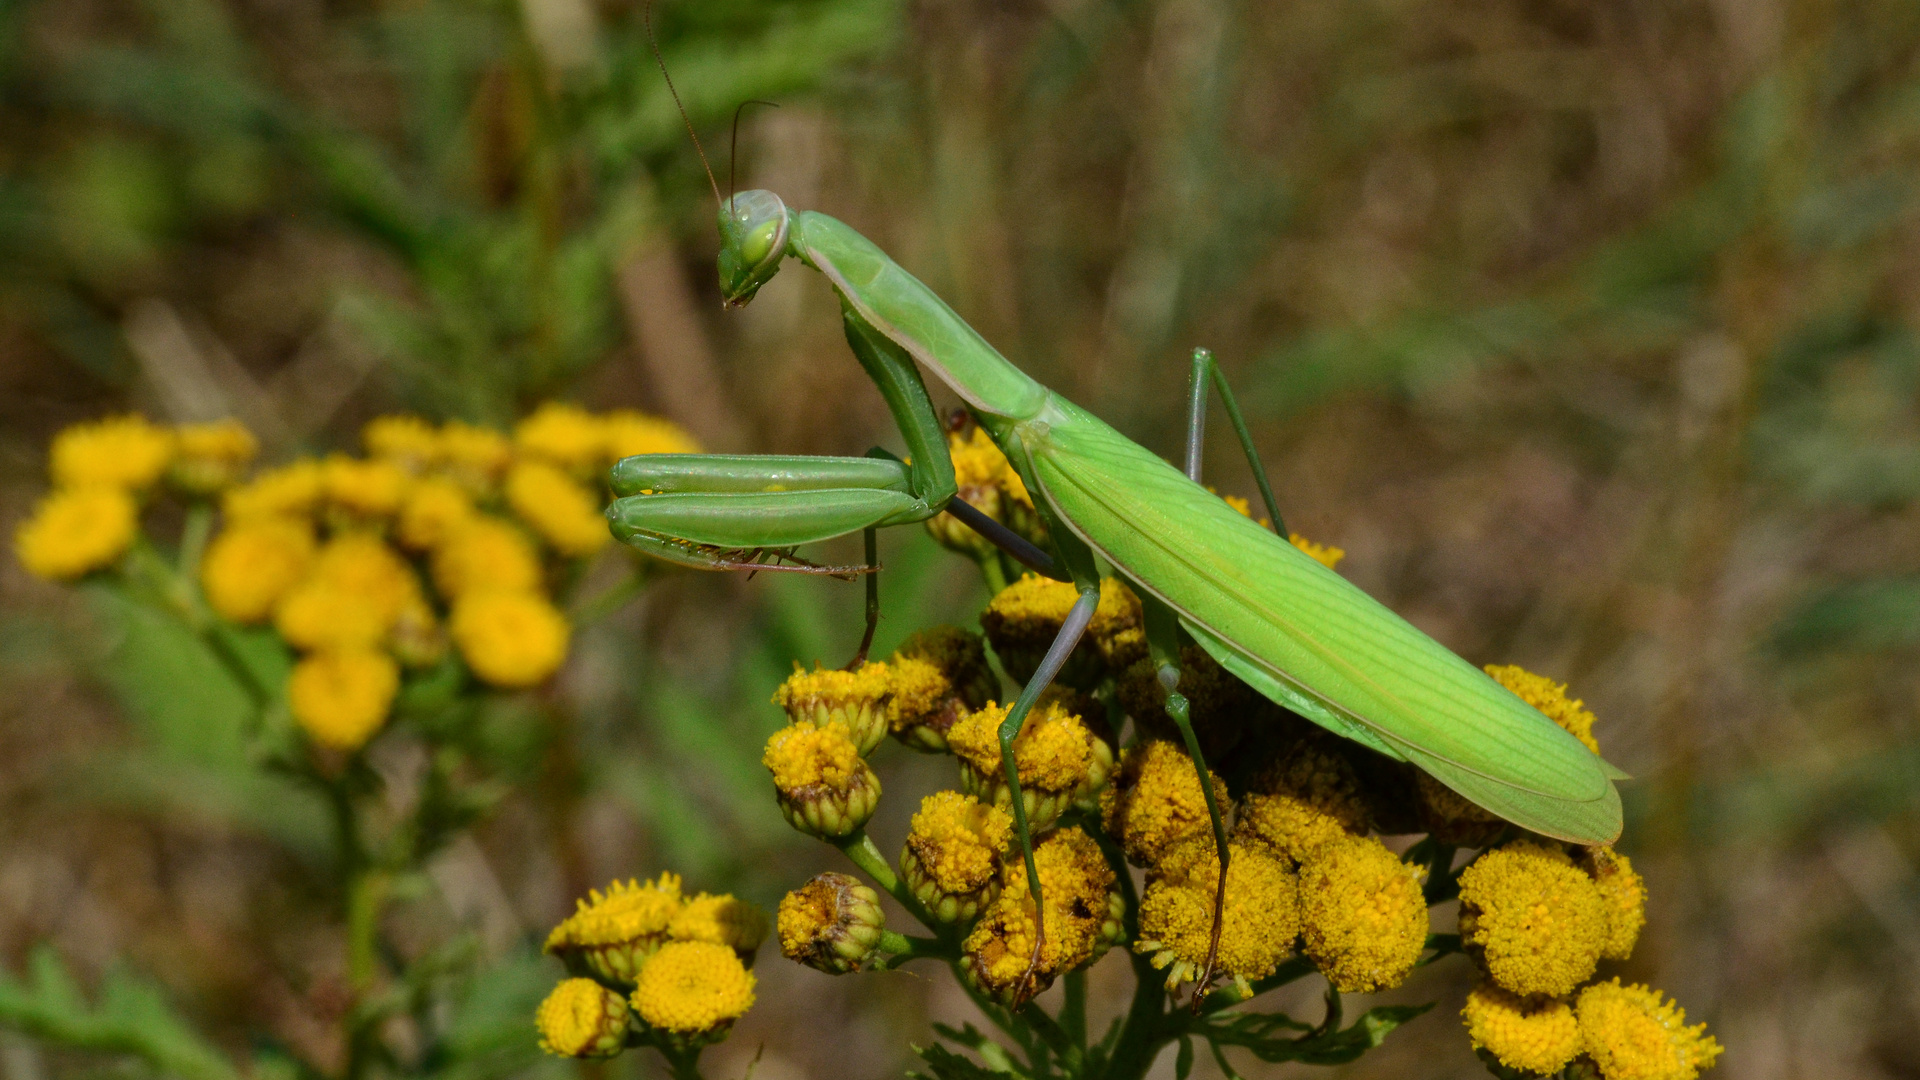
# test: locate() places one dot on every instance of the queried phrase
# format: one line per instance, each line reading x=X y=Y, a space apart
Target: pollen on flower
x=1364 y=913
x=1260 y=923
x=917 y=690
x=486 y=553
x=628 y=911
x=435 y=511
x=119 y=451
x=340 y=697
x=1633 y=1034
x=807 y=755
x=856 y=699
x=958 y=840
x=1075 y=883
x=1624 y=894
x=1304 y=801
x=1534 y=921
x=249 y=567
x=1324 y=554
x=582 y=1019
x=1155 y=800
x=693 y=987
x=566 y=435
x=1052 y=752
x=627 y=433
x=77 y=531
x=291 y=490
x=211 y=456
x=565 y=514
x=1023 y=619
x=1531 y=1035
x=1549 y=697
x=722 y=920
x=368 y=489
x=510 y=639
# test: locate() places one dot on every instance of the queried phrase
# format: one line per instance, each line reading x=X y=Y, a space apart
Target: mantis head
x=753 y=238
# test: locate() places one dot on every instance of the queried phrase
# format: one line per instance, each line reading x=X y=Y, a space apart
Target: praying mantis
x=1291 y=628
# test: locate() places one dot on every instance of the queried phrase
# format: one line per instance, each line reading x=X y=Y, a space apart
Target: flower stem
x=1140 y=1035
x=685 y=1063
x=866 y=855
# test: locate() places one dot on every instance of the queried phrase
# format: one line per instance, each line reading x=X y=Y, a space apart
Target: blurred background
x=1586 y=329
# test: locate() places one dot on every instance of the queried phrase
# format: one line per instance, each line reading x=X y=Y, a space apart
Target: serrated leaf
x=131 y=1017
x=944 y=1064
x=1258 y=1033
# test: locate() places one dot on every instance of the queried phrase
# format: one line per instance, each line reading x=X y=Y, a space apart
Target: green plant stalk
x=865 y=854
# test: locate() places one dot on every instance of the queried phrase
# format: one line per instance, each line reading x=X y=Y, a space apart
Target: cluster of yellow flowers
x=440 y=536
x=650 y=966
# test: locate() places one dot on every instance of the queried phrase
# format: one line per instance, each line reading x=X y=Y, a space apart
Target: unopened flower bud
x=833 y=923
x=939 y=675
x=582 y=1019
x=856 y=700
x=824 y=787
x=1054 y=754
x=1023 y=620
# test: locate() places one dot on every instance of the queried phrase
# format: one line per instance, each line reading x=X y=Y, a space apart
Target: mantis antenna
x=733 y=143
x=646 y=20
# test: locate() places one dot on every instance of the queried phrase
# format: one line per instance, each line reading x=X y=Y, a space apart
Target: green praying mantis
x=1294 y=630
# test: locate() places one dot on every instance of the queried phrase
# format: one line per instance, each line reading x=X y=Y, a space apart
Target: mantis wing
x=1311 y=640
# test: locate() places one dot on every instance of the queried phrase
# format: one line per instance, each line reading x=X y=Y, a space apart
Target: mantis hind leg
x=1063 y=644
x=1207 y=370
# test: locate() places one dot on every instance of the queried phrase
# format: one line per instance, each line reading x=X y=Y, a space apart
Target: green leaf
x=944 y=1064
x=1261 y=1034
x=1183 y=1061
x=131 y=1017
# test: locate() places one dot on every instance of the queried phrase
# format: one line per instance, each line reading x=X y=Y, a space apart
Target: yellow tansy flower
x=582 y=1019
x=367 y=489
x=856 y=699
x=615 y=933
x=408 y=441
x=1549 y=697
x=1219 y=704
x=1633 y=1034
x=77 y=531
x=1306 y=800
x=1024 y=618
x=1058 y=759
x=209 y=457
x=292 y=490
x=509 y=639
x=474 y=457
x=486 y=553
x=119 y=451
x=1531 y=1035
x=340 y=697
x=436 y=508
x=1625 y=895
x=1259 y=925
x=939 y=675
x=693 y=988
x=355 y=590
x=722 y=920
x=564 y=513
x=952 y=859
x=1324 y=554
x=823 y=786
x=1364 y=916
x=831 y=924
x=627 y=433
x=565 y=435
x=250 y=566
x=1155 y=800
x=1532 y=919
x=1076 y=884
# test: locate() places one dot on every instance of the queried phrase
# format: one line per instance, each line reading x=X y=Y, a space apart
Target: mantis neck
x=898 y=306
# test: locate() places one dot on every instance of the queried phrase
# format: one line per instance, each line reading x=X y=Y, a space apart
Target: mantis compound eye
x=753 y=238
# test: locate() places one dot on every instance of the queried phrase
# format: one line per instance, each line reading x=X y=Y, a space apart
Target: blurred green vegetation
x=1589 y=331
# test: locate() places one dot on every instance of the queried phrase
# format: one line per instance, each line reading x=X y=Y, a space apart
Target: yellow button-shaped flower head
x=1155 y=800
x=473 y=457
x=1076 y=886
x=1632 y=1034
x=824 y=787
x=612 y=934
x=940 y=675
x=557 y=507
x=954 y=854
x=722 y=920
x=1325 y=554
x=831 y=924
x=485 y=553
x=626 y=433
x=340 y=697
x=120 y=451
x=435 y=511
x=1534 y=921
x=1364 y=912
x=292 y=490
x=564 y=435
x=211 y=457
x=1259 y=924
x=249 y=567
x=857 y=700
x=582 y=1019
x=355 y=589
x=1022 y=621
x=1307 y=799
x=77 y=531
x=1625 y=895
x=363 y=489
x=509 y=639
x=407 y=441
x=1058 y=760
x=693 y=991
x=1531 y=1035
